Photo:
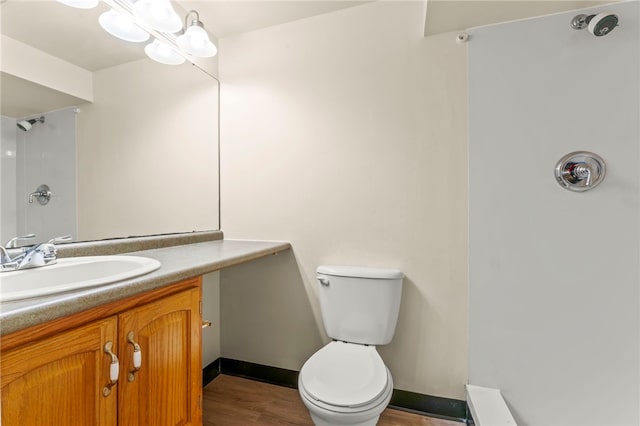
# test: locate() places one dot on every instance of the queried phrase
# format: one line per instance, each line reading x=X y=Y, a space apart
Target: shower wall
x=46 y=154
x=554 y=275
x=7 y=179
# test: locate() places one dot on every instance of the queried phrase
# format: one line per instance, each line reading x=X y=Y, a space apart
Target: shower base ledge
x=488 y=407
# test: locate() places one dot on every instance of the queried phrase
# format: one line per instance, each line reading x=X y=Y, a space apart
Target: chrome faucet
x=42 y=254
x=13 y=243
x=4 y=256
x=7 y=263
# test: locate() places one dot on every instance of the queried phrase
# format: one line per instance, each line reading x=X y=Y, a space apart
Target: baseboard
x=433 y=406
x=210 y=372
x=262 y=373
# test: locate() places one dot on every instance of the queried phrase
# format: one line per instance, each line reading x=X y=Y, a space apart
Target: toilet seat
x=345 y=375
x=377 y=405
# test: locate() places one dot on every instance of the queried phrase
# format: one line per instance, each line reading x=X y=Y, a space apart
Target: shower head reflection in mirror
x=26 y=125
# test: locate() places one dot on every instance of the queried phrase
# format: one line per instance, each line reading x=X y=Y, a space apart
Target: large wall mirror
x=127 y=146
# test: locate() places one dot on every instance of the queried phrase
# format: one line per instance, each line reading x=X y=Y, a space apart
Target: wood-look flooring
x=234 y=401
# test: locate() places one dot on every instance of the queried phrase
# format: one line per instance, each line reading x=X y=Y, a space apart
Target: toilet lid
x=344 y=375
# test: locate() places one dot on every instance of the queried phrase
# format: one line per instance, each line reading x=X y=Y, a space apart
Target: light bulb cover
x=80 y=4
x=122 y=27
x=163 y=53
x=195 y=41
x=158 y=14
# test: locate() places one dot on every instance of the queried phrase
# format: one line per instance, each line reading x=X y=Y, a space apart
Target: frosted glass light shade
x=163 y=53
x=80 y=4
x=121 y=26
x=195 y=41
x=158 y=14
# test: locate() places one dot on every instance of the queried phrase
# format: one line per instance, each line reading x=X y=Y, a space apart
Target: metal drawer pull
x=206 y=324
x=137 y=357
x=114 y=369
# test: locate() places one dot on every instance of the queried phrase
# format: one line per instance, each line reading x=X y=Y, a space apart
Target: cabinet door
x=167 y=389
x=60 y=380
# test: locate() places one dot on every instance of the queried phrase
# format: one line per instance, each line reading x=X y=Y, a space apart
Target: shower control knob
x=43 y=195
x=579 y=171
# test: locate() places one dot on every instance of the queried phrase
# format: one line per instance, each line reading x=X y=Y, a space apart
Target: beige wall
x=211 y=312
x=147 y=152
x=345 y=134
x=21 y=60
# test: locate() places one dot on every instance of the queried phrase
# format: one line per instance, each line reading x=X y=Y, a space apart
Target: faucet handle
x=39 y=255
x=12 y=242
x=62 y=239
x=48 y=250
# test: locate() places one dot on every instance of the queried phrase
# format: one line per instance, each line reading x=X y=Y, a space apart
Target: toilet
x=346 y=382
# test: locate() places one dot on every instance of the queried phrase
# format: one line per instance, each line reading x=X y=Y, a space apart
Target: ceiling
x=457 y=15
x=228 y=17
x=75 y=36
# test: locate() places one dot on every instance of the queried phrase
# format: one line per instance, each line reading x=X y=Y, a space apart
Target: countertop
x=178 y=263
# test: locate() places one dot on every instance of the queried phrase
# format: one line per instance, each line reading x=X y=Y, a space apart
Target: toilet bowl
x=346 y=381
x=345 y=384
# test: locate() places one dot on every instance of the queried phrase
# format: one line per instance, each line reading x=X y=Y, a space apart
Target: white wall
x=345 y=134
x=46 y=155
x=554 y=302
x=8 y=218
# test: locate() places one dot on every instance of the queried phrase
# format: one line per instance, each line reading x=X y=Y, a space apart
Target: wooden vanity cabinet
x=60 y=378
x=167 y=389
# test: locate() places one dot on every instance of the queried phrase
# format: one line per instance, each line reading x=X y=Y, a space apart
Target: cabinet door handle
x=137 y=357
x=114 y=369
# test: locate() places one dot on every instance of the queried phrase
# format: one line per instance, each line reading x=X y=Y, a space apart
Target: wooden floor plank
x=234 y=401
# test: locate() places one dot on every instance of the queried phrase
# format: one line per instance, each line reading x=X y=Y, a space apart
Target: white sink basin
x=72 y=273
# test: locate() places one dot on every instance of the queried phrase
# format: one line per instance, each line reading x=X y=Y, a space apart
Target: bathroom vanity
x=125 y=354
x=67 y=375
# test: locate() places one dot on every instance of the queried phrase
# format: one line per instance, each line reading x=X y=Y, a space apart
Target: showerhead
x=602 y=24
x=599 y=25
x=26 y=125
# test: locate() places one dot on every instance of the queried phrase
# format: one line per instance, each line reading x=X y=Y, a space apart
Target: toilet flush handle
x=323 y=281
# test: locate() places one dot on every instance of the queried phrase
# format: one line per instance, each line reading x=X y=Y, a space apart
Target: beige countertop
x=178 y=263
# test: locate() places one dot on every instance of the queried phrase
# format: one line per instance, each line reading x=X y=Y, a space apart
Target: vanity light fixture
x=138 y=20
x=163 y=53
x=122 y=26
x=195 y=39
x=80 y=4
x=158 y=14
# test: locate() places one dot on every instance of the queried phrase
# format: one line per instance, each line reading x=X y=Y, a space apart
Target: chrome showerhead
x=599 y=25
x=26 y=125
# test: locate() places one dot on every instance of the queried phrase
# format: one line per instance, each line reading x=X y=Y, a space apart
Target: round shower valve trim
x=580 y=171
x=43 y=195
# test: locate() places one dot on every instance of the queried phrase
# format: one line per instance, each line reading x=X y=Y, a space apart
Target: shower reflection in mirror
x=37 y=150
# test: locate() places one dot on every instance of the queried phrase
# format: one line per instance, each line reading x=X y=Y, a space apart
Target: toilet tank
x=359 y=304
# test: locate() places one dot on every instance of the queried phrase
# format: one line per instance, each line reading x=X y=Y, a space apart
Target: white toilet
x=346 y=382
